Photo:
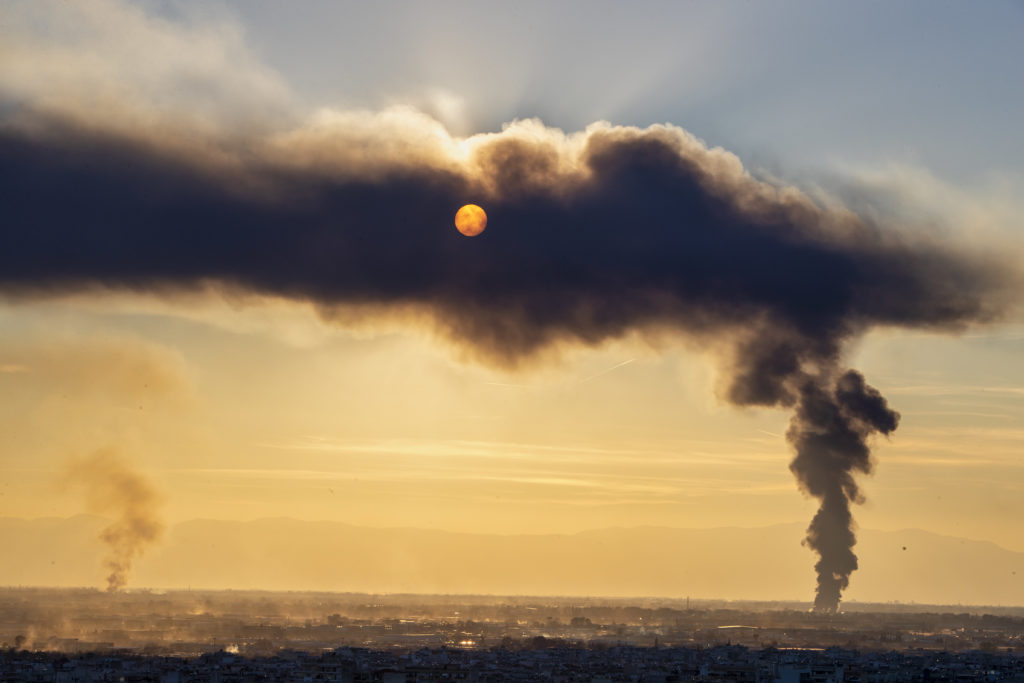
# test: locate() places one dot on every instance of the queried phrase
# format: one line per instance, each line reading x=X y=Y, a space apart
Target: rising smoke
x=592 y=236
x=113 y=488
x=829 y=432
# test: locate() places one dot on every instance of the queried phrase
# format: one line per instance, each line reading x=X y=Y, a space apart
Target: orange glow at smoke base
x=470 y=220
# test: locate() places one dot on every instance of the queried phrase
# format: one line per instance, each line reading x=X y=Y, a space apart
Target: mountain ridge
x=594 y=530
x=281 y=553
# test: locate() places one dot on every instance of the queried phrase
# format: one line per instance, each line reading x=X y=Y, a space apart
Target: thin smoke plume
x=113 y=488
x=592 y=236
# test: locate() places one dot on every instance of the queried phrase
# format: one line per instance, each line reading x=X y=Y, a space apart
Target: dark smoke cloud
x=112 y=487
x=590 y=237
x=829 y=431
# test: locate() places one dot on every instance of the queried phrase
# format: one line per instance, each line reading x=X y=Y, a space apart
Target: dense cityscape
x=550 y=663
x=88 y=635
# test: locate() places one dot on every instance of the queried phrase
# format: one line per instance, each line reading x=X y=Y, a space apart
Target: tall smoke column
x=829 y=431
x=112 y=487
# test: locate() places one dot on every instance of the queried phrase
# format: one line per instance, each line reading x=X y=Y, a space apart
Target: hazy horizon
x=281 y=554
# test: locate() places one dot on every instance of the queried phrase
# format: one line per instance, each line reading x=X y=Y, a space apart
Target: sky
x=228 y=259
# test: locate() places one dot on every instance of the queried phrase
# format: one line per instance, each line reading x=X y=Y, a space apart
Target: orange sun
x=471 y=220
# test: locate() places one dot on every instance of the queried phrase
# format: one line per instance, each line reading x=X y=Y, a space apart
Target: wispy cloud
x=606 y=371
x=679 y=453
x=956 y=389
x=525 y=481
x=13 y=368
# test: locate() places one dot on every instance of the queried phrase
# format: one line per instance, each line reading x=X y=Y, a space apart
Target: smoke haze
x=593 y=236
x=112 y=487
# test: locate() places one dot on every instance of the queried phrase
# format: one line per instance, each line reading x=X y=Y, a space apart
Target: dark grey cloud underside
x=647 y=241
x=642 y=242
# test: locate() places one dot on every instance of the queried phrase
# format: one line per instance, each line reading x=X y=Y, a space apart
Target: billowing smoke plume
x=829 y=432
x=113 y=488
x=592 y=236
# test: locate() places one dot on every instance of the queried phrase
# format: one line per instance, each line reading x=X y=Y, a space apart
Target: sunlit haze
x=232 y=291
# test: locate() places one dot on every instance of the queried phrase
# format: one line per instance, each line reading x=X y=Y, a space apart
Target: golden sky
x=246 y=411
x=247 y=286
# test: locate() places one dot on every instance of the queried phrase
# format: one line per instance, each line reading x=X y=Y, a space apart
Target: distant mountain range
x=765 y=563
